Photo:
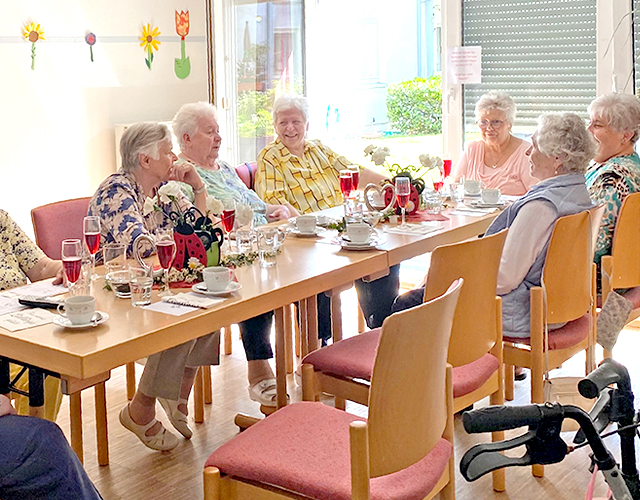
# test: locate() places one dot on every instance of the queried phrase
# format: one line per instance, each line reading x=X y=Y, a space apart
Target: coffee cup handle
x=61 y=310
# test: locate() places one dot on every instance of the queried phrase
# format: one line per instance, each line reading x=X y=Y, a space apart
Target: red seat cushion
x=54 y=222
x=304 y=448
x=467 y=378
x=569 y=335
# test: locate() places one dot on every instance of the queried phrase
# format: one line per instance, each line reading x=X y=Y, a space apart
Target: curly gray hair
x=142 y=138
x=620 y=111
x=187 y=118
x=291 y=101
x=564 y=135
x=496 y=100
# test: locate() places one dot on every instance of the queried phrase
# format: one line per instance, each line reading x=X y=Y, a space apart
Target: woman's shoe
x=264 y=392
x=176 y=417
x=162 y=441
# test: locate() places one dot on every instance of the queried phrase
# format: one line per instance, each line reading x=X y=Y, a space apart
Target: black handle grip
x=501 y=418
x=609 y=372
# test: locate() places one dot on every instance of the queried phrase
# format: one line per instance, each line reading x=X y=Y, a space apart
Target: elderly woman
x=559 y=156
x=306 y=174
x=20 y=259
x=148 y=163
x=196 y=127
x=499 y=159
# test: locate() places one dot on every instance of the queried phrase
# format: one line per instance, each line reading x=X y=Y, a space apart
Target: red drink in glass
x=93 y=242
x=166 y=250
x=403 y=199
x=346 y=184
x=438 y=185
x=447 y=167
x=355 y=179
x=228 y=218
x=72 y=268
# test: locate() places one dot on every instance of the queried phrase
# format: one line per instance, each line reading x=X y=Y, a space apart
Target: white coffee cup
x=472 y=186
x=306 y=223
x=491 y=195
x=216 y=278
x=359 y=232
x=79 y=309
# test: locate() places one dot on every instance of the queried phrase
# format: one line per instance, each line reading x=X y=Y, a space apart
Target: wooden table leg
x=75 y=416
x=288 y=338
x=198 y=398
x=281 y=368
x=208 y=390
x=102 y=433
x=336 y=317
x=312 y=323
x=131 y=380
x=304 y=328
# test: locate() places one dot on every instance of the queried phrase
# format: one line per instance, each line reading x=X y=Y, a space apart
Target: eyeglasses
x=495 y=124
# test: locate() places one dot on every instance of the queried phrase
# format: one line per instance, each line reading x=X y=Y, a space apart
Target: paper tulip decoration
x=182 y=66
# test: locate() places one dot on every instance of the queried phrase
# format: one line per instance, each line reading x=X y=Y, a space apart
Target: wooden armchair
x=621 y=269
x=403 y=450
x=567 y=296
x=475 y=350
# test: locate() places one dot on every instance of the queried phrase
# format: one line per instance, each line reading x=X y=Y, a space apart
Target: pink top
x=513 y=178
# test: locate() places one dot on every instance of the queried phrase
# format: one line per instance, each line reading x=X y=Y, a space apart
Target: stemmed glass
x=166 y=250
x=72 y=262
x=91 y=231
x=403 y=189
x=346 y=186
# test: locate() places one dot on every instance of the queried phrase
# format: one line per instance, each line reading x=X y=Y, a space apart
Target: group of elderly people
x=297 y=175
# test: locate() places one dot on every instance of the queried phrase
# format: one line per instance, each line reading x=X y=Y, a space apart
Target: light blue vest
x=568 y=195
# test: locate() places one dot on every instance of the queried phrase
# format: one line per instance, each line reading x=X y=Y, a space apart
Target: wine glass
x=166 y=250
x=438 y=180
x=72 y=261
x=346 y=185
x=91 y=231
x=403 y=189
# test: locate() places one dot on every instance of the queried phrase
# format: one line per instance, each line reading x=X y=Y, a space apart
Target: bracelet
x=200 y=190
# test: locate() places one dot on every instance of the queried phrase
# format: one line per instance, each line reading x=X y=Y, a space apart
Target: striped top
x=310 y=183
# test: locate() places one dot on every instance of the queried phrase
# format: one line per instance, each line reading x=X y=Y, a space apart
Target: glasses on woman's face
x=495 y=124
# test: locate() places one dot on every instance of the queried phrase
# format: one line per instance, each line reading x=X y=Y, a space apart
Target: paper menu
x=44 y=288
x=9 y=305
x=28 y=318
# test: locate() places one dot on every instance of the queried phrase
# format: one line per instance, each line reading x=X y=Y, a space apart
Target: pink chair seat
x=467 y=378
x=247 y=173
x=54 y=222
x=313 y=459
x=569 y=335
x=354 y=358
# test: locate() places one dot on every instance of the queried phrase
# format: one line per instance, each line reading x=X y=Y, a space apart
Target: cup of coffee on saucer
x=216 y=278
x=306 y=224
x=491 y=196
x=359 y=233
x=472 y=187
x=79 y=310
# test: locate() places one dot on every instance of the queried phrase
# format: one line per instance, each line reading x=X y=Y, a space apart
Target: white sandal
x=162 y=441
x=264 y=392
x=176 y=417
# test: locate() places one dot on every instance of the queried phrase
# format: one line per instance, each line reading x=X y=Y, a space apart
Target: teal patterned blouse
x=610 y=183
x=225 y=183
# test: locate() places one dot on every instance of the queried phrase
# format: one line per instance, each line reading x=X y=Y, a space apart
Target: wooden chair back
x=57 y=221
x=474 y=324
x=567 y=275
x=625 y=249
x=407 y=400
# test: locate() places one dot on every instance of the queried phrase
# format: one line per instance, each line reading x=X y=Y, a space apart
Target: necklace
x=502 y=156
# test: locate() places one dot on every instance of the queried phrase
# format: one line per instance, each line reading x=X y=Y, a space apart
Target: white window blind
x=541 y=53
x=636 y=44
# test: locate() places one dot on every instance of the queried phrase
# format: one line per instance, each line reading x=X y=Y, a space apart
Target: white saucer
x=469 y=195
x=66 y=322
x=480 y=204
x=313 y=234
x=365 y=245
x=202 y=289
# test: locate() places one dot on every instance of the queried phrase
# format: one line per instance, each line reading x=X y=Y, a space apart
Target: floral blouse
x=119 y=202
x=610 y=183
x=18 y=254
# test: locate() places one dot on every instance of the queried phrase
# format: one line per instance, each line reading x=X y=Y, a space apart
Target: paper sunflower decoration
x=182 y=66
x=90 y=38
x=33 y=33
x=149 y=41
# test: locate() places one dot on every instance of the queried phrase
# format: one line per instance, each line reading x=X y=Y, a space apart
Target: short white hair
x=620 y=111
x=291 y=101
x=564 y=135
x=188 y=117
x=142 y=138
x=499 y=101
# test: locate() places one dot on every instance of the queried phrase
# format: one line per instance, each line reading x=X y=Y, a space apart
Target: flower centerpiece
x=378 y=155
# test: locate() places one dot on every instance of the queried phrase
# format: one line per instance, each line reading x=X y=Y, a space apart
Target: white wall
x=57 y=122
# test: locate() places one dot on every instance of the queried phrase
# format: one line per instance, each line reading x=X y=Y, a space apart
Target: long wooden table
x=303 y=270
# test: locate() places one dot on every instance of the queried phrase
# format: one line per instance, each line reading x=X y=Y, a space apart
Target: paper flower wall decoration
x=33 y=33
x=90 y=38
x=182 y=66
x=149 y=41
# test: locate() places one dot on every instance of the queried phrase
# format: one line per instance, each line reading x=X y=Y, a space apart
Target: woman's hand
x=5 y=406
x=186 y=172
x=46 y=268
x=277 y=212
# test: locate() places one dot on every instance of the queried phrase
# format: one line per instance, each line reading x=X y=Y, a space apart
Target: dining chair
x=621 y=269
x=567 y=295
x=403 y=450
x=247 y=173
x=344 y=369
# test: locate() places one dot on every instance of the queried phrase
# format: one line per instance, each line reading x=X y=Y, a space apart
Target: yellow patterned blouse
x=310 y=183
x=18 y=254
